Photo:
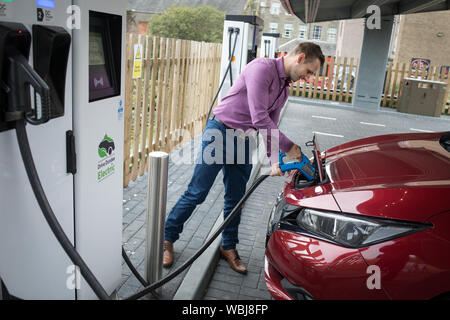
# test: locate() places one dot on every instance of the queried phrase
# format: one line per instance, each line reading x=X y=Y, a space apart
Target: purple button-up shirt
x=256 y=99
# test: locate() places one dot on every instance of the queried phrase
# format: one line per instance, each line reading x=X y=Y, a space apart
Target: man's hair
x=311 y=50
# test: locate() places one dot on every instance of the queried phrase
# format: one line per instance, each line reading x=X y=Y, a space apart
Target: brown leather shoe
x=234 y=260
x=168 y=254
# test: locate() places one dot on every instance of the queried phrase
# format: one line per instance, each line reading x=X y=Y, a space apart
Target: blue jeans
x=235 y=177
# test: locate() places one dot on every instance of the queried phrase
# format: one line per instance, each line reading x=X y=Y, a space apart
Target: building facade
x=278 y=20
x=425 y=36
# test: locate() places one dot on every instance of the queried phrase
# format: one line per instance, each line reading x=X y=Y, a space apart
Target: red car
x=375 y=224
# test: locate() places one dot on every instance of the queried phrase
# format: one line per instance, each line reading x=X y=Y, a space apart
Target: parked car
x=374 y=224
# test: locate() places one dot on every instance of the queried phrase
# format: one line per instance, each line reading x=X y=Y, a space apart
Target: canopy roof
x=328 y=10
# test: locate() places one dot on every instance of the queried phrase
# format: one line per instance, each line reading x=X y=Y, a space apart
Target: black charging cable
x=236 y=30
x=230 y=54
x=50 y=217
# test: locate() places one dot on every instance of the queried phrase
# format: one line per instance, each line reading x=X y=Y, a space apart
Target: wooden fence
x=333 y=82
x=337 y=79
x=179 y=81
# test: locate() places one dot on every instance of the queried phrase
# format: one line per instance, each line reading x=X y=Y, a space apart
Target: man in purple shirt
x=254 y=102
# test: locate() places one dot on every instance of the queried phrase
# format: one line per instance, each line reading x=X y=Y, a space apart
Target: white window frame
x=287 y=30
x=317 y=32
x=332 y=31
x=273 y=27
x=302 y=29
x=263 y=7
x=275 y=8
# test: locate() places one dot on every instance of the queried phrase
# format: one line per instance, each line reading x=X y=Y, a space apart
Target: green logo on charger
x=106 y=147
x=106 y=166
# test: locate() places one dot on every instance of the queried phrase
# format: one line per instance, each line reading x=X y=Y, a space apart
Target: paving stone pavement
x=194 y=233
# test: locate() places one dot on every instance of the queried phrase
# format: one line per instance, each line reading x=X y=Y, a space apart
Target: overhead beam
x=359 y=8
x=406 y=7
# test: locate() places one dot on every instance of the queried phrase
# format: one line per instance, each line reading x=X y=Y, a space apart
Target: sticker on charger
x=44 y=11
x=44 y=15
x=120 y=111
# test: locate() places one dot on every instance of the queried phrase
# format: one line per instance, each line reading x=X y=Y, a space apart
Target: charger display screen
x=50 y=4
x=105 y=55
x=98 y=73
x=96 y=51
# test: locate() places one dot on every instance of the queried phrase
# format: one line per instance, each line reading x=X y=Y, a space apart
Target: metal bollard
x=156 y=214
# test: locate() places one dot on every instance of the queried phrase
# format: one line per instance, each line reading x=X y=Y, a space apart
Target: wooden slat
x=336 y=76
x=190 y=84
x=165 y=104
x=444 y=106
x=416 y=72
x=387 y=84
x=184 y=86
x=159 y=104
x=128 y=109
x=402 y=76
x=324 y=78
x=394 y=85
x=177 y=96
x=344 y=72
x=137 y=124
x=171 y=96
x=146 y=106
x=154 y=84
x=349 y=80
x=330 y=79
x=435 y=73
x=315 y=84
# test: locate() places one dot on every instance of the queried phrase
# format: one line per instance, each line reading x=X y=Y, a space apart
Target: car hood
x=399 y=176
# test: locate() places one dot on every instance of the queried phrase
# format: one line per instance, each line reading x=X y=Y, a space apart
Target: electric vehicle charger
x=22 y=138
x=20 y=126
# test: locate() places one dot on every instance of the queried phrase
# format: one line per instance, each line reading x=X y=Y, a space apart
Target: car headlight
x=280 y=210
x=354 y=231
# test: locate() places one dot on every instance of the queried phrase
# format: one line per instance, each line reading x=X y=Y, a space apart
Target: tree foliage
x=204 y=23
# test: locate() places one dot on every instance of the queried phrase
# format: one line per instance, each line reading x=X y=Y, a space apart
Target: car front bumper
x=301 y=267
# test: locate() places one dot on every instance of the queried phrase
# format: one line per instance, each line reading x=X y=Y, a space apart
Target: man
x=253 y=102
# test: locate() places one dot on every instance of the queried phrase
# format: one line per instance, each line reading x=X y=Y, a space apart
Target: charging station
x=241 y=34
x=70 y=83
x=269 y=45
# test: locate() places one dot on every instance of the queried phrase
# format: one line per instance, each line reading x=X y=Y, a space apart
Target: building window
x=273 y=27
x=332 y=34
x=263 y=7
x=302 y=32
x=287 y=30
x=275 y=8
x=317 y=32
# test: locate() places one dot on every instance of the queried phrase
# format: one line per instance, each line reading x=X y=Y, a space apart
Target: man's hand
x=276 y=171
x=294 y=153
